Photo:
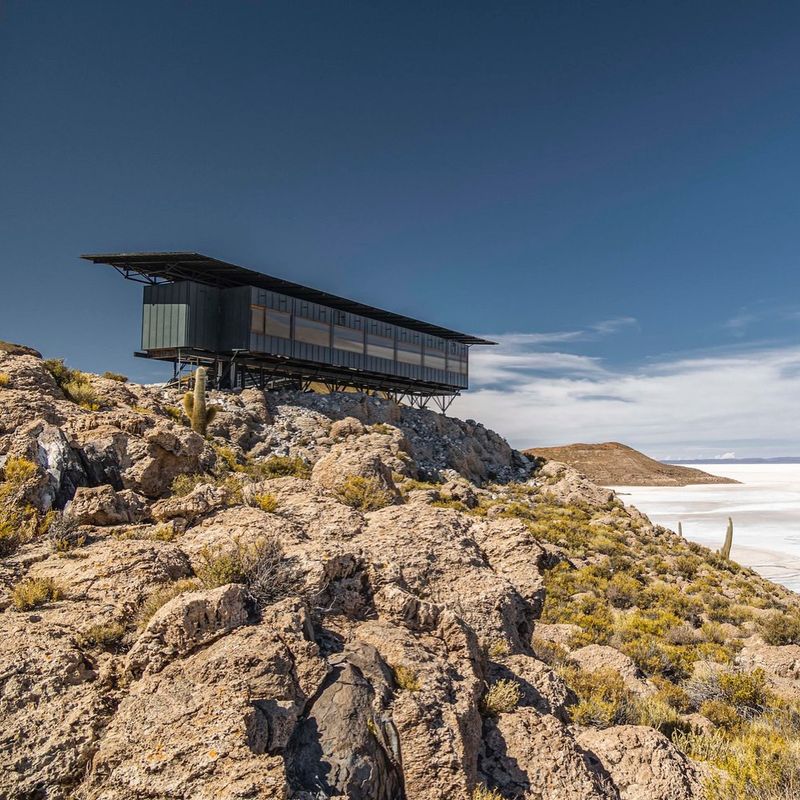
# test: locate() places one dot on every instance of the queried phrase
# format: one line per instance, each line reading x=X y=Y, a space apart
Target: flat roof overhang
x=169 y=267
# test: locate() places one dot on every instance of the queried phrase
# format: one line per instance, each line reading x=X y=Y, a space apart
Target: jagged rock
x=18 y=350
x=349 y=426
x=531 y=756
x=346 y=459
x=338 y=747
x=189 y=621
x=205 y=726
x=439 y=557
x=541 y=687
x=117 y=572
x=460 y=491
x=596 y=657
x=202 y=500
x=53 y=706
x=101 y=505
x=643 y=763
x=560 y=633
x=436 y=725
x=570 y=486
x=146 y=463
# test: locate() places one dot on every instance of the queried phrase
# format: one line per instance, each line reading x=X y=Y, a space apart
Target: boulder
x=101 y=505
x=186 y=623
x=642 y=763
x=531 y=756
x=203 y=499
x=212 y=724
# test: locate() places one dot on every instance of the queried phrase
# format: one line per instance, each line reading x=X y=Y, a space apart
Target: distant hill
x=615 y=464
x=774 y=460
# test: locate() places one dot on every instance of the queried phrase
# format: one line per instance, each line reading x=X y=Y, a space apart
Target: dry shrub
x=265 y=501
x=260 y=565
x=63 y=533
x=482 y=793
x=603 y=699
x=364 y=494
x=501 y=697
x=34 y=592
x=115 y=376
x=102 y=635
x=406 y=678
x=498 y=648
x=279 y=467
x=82 y=393
x=5 y=380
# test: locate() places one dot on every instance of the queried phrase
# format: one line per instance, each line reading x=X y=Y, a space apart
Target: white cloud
x=745 y=399
x=723 y=456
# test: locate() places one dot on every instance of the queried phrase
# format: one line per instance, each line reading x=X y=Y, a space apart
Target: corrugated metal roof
x=160 y=267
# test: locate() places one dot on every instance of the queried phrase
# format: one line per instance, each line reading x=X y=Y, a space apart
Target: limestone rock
x=189 y=621
x=643 y=763
x=101 y=505
x=210 y=725
x=202 y=500
x=534 y=757
x=781 y=664
x=53 y=706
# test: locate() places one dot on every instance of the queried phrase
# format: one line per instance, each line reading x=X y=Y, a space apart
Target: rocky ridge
x=334 y=596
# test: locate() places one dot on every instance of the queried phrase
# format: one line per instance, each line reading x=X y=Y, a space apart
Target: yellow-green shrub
x=34 y=592
x=501 y=697
x=102 y=635
x=265 y=501
x=603 y=699
x=115 y=376
x=279 y=467
x=5 y=380
x=406 y=678
x=364 y=494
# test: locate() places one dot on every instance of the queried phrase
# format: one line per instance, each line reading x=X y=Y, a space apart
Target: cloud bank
x=694 y=406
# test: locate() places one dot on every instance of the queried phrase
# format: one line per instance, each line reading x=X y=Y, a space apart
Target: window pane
x=348 y=339
x=435 y=361
x=277 y=323
x=257 y=319
x=409 y=353
x=380 y=347
x=311 y=331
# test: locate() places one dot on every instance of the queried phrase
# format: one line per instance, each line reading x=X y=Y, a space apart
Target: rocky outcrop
x=101 y=505
x=259 y=636
x=642 y=763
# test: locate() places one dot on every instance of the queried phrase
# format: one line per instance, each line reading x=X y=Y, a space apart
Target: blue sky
x=610 y=189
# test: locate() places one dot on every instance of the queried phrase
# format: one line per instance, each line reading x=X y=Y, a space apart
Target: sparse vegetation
x=5 y=380
x=75 y=384
x=406 y=678
x=260 y=565
x=497 y=649
x=34 y=592
x=160 y=533
x=364 y=494
x=103 y=635
x=19 y=520
x=481 y=792
x=115 y=376
x=501 y=697
x=279 y=467
x=265 y=501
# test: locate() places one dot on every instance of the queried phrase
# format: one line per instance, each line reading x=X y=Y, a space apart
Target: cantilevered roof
x=168 y=267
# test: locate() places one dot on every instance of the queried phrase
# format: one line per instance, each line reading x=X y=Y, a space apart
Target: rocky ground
x=334 y=596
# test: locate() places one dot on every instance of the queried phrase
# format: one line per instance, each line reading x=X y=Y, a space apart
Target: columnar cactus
x=725 y=552
x=195 y=404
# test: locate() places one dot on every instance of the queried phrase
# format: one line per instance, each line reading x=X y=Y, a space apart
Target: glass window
x=257 y=319
x=380 y=347
x=348 y=339
x=409 y=353
x=435 y=360
x=277 y=323
x=311 y=331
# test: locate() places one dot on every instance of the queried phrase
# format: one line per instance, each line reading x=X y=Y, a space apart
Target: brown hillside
x=615 y=464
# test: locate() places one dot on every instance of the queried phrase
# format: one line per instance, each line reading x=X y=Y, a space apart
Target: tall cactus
x=680 y=529
x=725 y=551
x=194 y=405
